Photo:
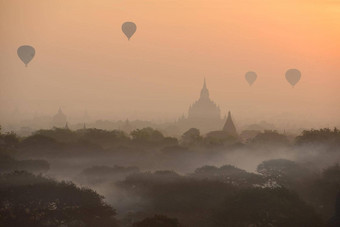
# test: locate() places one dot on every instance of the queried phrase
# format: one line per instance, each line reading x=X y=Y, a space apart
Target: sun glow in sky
x=84 y=62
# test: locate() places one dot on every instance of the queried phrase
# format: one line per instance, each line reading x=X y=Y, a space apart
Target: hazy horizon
x=84 y=62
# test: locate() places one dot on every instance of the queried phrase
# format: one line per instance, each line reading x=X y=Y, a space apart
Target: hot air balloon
x=26 y=54
x=129 y=28
x=293 y=76
x=251 y=77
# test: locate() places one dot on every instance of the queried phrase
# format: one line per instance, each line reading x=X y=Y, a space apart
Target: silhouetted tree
x=264 y=207
x=248 y=135
x=8 y=164
x=269 y=137
x=191 y=137
x=335 y=220
x=228 y=174
x=321 y=136
x=150 y=136
x=284 y=172
x=147 y=136
x=188 y=199
x=157 y=221
x=319 y=190
x=28 y=200
x=8 y=142
x=170 y=141
x=39 y=144
x=63 y=135
x=219 y=138
x=323 y=191
x=210 y=202
x=104 y=138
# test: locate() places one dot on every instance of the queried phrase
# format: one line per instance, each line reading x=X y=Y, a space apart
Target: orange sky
x=84 y=62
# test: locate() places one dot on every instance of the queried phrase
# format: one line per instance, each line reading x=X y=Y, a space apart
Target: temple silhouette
x=59 y=120
x=204 y=108
x=229 y=127
x=205 y=115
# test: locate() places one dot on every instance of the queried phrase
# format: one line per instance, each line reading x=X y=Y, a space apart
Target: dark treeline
x=29 y=200
x=86 y=140
x=143 y=183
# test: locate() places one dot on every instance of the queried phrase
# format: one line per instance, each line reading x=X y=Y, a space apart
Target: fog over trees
x=92 y=177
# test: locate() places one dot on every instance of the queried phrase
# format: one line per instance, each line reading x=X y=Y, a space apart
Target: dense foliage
x=29 y=200
x=137 y=172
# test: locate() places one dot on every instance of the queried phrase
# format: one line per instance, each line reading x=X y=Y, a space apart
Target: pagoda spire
x=204 y=91
x=229 y=126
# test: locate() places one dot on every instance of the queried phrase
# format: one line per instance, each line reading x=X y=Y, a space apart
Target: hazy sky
x=83 y=60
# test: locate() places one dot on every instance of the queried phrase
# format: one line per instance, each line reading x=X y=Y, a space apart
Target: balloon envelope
x=293 y=76
x=26 y=53
x=251 y=77
x=129 y=28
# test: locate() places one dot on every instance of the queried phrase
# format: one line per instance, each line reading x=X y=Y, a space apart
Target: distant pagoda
x=229 y=126
x=59 y=120
x=203 y=114
x=204 y=108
